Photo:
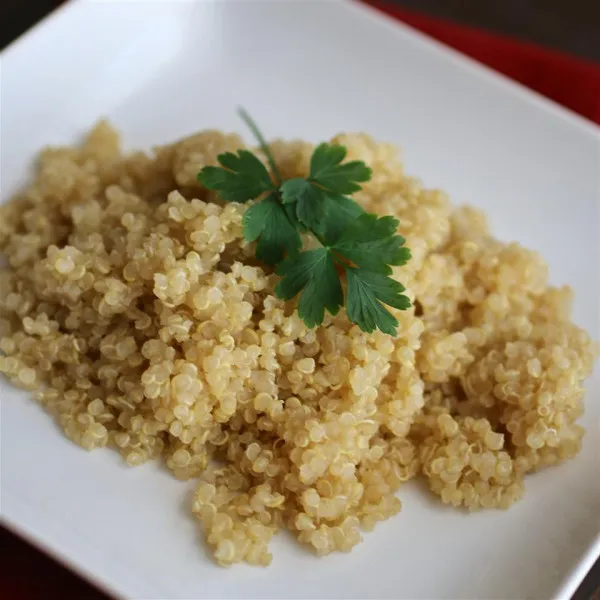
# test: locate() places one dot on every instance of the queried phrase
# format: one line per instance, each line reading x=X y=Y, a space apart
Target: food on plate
x=208 y=311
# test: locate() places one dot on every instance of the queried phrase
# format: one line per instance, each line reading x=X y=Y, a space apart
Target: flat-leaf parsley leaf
x=367 y=293
x=268 y=223
x=328 y=181
x=341 y=213
x=372 y=243
x=360 y=245
x=313 y=275
x=241 y=177
x=327 y=171
x=310 y=206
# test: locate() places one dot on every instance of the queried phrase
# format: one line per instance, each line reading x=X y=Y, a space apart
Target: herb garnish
x=360 y=245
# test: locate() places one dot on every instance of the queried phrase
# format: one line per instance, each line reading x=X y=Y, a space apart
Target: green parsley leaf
x=367 y=292
x=321 y=196
x=314 y=276
x=340 y=214
x=290 y=211
x=361 y=244
x=372 y=243
x=326 y=170
x=308 y=199
x=268 y=222
x=241 y=177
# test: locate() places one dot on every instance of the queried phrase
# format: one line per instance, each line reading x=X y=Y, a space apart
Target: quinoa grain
x=132 y=305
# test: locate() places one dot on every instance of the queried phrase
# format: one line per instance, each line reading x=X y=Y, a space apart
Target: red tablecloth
x=572 y=82
x=27 y=574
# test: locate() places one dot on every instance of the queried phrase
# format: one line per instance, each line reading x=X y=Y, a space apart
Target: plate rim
x=54 y=552
x=476 y=68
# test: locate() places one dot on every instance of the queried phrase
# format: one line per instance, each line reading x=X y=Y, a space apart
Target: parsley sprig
x=353 y=243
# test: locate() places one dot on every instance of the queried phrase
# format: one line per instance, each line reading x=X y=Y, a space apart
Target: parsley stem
x=262 y=142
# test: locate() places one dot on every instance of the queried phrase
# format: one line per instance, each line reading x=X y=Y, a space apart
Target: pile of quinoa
x=135 y=311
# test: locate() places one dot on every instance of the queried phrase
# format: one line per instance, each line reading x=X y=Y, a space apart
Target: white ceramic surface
x=160 y=70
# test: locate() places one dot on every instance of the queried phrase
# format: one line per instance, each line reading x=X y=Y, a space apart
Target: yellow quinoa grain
x=134 y=308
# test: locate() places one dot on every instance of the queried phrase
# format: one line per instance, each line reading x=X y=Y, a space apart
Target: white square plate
x=160 y=70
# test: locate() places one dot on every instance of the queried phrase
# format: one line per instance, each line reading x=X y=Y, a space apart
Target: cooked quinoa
x=133 y=308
